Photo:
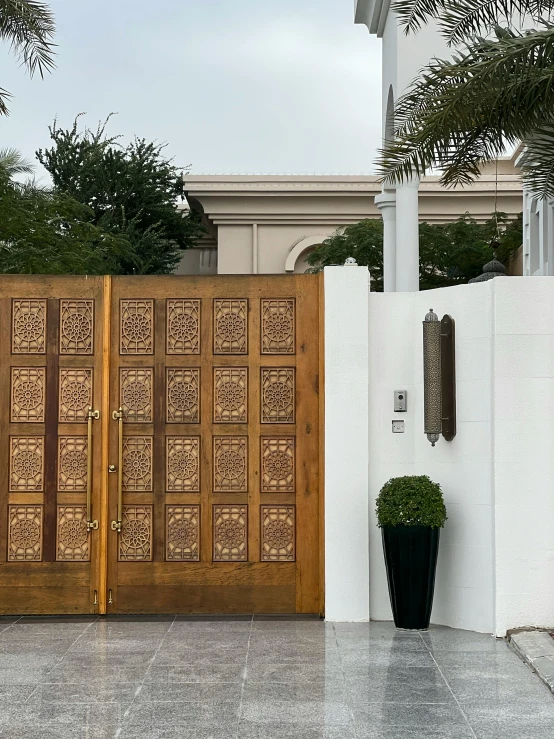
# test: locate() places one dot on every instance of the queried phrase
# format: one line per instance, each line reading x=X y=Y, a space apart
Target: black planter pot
x=411 y=559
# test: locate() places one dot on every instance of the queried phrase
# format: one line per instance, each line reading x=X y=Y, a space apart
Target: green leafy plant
x=131 y=189
x=449 y=253
x=412 y=500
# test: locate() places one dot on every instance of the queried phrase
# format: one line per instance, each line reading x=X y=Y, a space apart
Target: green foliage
x=42 y=232
x=29 y=28
x=132 y=191
x=449 y=254
x=363 y=241
x=413 y=500
x=497 y=90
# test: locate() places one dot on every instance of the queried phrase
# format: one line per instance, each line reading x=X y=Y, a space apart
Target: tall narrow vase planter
x=411 y=561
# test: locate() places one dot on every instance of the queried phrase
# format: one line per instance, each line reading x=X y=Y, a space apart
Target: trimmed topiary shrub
x=413 y=500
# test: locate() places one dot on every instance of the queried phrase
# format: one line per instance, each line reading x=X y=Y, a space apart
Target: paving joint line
x=346 y=688
x=449 y=688
x=244 y=678
x=64 y=655
x=140 y=687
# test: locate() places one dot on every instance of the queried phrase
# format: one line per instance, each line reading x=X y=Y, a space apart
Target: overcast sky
x=233 y=86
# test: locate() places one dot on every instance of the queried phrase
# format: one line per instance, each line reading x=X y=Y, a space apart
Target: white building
x=269 y=224
x=538 y=236
x=403 y=56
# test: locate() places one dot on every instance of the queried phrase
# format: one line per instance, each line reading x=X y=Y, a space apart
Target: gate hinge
x=95 y=415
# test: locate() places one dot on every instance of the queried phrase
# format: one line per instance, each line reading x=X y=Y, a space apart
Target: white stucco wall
x=465 y=578
x=524 y=451
x=497 y=550
x=346 y=444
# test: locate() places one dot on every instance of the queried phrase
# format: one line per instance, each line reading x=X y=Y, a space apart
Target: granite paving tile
x=122 y=693
x=178 y=732
x=384 y=657
x=197 y=673
x=14 y=694
x=335 y=691
x=410 y=715
x=103 y=674
x=199 y=713
x=300 y=713
x=402 y=732
x=249 y=730
x=407 y=692
x=202 y=655
x=68 y=714
x=294 y=673
x=498 y=690
x=20 y=676
x=62 y=732
x=202 y=691
x=375 y=675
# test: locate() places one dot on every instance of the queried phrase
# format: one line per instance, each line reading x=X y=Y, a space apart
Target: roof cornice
x=373 y=14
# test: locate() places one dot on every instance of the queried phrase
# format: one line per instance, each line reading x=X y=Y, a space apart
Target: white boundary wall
x=346 y=444
x=496 y=560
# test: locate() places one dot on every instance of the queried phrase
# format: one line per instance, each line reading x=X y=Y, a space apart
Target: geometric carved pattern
x=28 y=386
x=182 y=453
x=277 y=533
x=137 y=327
x=278 y=395
x=26 y=463
x=278 y=326
x=72 y=534
x=230 y=533
x=183 y=327
x=182 y=537
x=230 y=326
x=432 y=380
x=28 y=326
x=76 y=326
x=135 y=540
x=135 y=394
x=230 y=465
x=25 y=533
x=72 y=463
x=183 y=401
x=230 y=395
x=75 y=394
x=137 y=463
x=278 y=465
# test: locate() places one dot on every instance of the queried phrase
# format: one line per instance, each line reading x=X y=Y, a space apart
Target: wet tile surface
x=244 y=678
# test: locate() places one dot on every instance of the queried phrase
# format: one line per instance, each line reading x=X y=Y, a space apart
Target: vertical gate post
x=346 y=443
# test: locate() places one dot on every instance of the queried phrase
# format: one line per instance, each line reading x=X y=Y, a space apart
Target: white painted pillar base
x=407 y=236
x=386 y=202
x=346 y=443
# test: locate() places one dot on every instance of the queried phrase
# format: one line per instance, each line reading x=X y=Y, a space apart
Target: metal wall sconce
x=439 y=379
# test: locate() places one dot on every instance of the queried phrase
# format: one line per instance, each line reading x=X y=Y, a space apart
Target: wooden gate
x=162 y=440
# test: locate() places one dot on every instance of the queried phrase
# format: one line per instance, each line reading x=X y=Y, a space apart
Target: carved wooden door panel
x=214 y=445
x=51 y=346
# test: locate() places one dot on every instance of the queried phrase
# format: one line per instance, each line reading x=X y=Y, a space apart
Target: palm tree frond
x=29 y=27
x=464 y=17
x=13 y=163
x=537 y=162
x=461 y=112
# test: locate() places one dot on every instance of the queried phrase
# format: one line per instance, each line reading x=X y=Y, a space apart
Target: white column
x=254 y=248
x=386 y=202
x=346 y=443
x=407 y=236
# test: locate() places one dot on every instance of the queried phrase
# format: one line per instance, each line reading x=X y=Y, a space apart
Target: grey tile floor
x=176 y=678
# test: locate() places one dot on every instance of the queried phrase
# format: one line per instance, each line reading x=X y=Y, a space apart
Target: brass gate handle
x=118 y=416
x=92 y=524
